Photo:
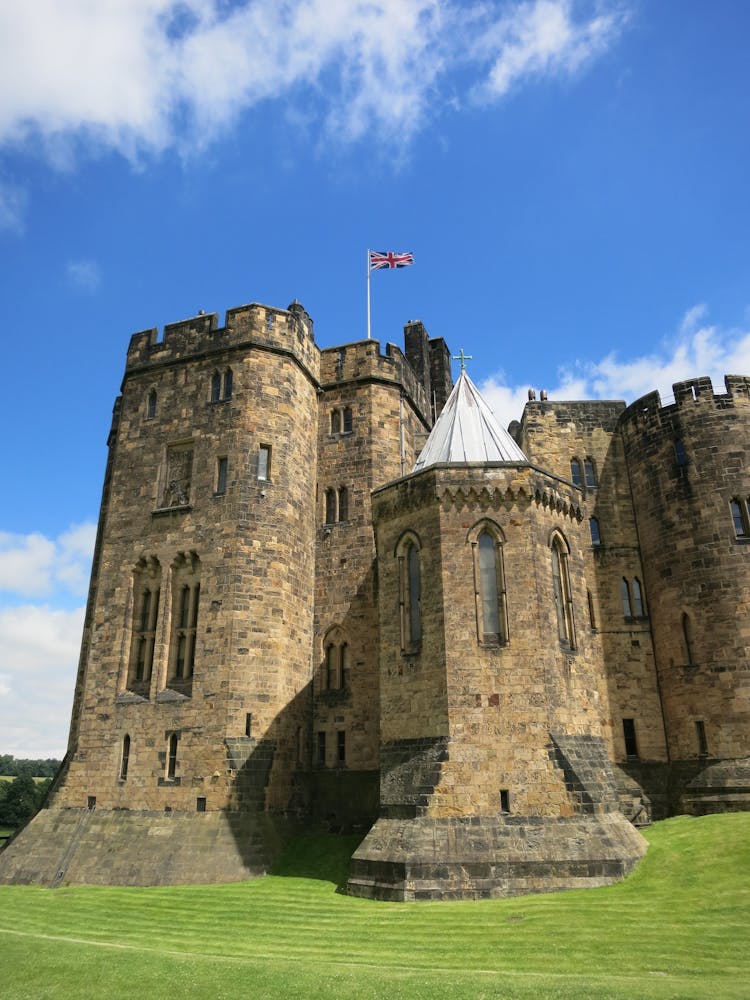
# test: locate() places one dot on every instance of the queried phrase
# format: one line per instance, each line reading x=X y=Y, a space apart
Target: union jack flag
x=389 y=259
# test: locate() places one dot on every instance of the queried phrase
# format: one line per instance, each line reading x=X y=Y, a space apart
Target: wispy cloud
x=83 y=274
x=13 y=201
x=544 y=38
x=145 y=75
x=697 y=348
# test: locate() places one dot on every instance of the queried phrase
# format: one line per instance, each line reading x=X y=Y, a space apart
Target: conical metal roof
x=467 y=431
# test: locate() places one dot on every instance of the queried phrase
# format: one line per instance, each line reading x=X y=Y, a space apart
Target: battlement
x=289 y=330
x=362 y=361
x=691 y=392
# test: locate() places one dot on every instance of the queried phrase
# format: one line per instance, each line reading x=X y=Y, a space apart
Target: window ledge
x=131 y=698
x=177 y=509
x=170 y=694
x=169 y=782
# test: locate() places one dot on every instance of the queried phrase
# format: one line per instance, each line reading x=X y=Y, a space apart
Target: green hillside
x=676 y=928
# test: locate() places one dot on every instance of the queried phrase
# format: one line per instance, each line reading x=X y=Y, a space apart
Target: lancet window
x=486 y=540
x=562 y=593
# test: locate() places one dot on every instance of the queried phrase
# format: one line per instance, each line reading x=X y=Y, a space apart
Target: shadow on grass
x=318 y=855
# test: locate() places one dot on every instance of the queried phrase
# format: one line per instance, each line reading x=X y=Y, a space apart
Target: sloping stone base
x=123 y=847
x=719 y=786
x=483 y=857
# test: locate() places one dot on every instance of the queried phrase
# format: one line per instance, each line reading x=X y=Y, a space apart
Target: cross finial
x=463 y=358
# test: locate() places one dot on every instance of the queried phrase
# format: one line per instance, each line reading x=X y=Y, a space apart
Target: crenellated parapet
x=362 y=362
x=288 y=331
x=690 y=393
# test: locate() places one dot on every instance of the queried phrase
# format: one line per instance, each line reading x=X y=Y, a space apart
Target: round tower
x=689 y=468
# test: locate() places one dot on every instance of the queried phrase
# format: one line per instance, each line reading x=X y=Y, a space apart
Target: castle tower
x=194 y=677
x=689 y=465
x=495 y=778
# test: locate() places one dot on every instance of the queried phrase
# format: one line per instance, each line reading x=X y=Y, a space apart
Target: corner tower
x=192 y=695
x=494 y=774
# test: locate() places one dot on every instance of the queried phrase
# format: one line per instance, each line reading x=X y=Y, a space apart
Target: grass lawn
x=678 y=927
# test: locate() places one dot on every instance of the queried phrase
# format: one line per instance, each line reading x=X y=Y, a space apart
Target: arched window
x=330 y=506
x=124 y=757
x=146 y=593
x=335 y=673
x=638 y=609
x=410 y=591
x=627 y=609
x=561 y=592
x=489 y=584
x=228 y=383
x=589 y=472
x=185 y=600
x=575 y=472
x=335 y=421
x=687 y=639
x=343 y=504
x=151 y=405
x=596 y=538
x=215 y=387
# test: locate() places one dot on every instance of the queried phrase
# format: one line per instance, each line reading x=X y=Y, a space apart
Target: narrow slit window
x=740 y=518
x=343 y=514
x=575 y=472
x=625 y=598
x=151 y=405
x=228 y=383
x=172 y=756
x=222 y=466
x=596 y=538
x=215 y=387
x=124 y=757
x=638 y=606
x=700 y=732
x=687 y=639
x=264 y=462
x=335 y=421
x=320 y=748
x=330 y=506
x=341 y=748
x=347 y=421
x=589 y=472
x=680 y=454
x=628 y=732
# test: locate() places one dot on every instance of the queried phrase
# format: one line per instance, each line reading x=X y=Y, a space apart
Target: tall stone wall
x=687 y=460
x=372 y=413
x=554 y=434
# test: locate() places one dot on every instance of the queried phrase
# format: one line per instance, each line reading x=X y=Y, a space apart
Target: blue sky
x=572 y=178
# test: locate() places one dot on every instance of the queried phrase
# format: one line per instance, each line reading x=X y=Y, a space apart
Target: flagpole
x=368 y=295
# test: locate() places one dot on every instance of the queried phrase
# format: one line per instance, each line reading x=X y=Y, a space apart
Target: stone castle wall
x=687 y=460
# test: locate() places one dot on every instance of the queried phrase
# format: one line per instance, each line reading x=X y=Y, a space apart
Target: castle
x=328 y=587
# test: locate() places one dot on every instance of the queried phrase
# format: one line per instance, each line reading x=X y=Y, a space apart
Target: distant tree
x=40 y=768
x=21 y=801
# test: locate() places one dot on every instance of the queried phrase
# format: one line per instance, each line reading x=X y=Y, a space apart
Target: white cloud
x=39 y=654
x=543 y=38
x=83 y=274
x=143 y=75
x=34 y=566
x=698 y=349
